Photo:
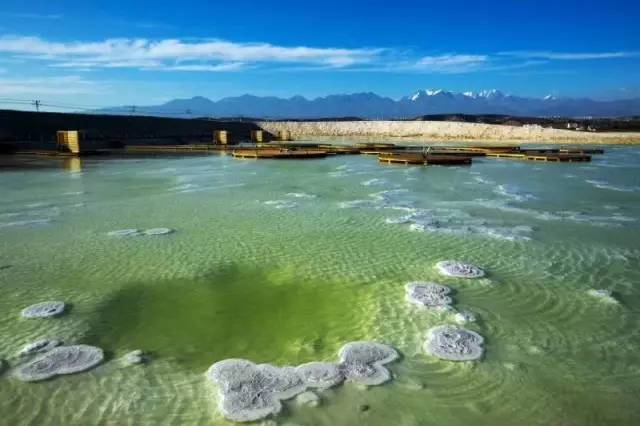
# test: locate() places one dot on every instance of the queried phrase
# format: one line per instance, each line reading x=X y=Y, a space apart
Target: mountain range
x=372 y=106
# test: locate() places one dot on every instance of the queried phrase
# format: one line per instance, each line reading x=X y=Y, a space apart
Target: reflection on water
x=243 y=278
x=72 y=164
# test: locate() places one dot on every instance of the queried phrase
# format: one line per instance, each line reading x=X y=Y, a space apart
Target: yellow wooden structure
x=284 y=135
x=69 y=140
x=257 y=136
x=221 y=137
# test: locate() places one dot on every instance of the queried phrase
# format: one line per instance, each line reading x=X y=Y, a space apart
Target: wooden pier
x=279 y=153
x=423 y=159
x=555 y=157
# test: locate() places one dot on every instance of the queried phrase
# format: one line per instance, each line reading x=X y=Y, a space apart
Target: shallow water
x=284 y=262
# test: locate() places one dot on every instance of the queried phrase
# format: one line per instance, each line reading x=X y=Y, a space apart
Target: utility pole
x=36 y=103
x=132 y=109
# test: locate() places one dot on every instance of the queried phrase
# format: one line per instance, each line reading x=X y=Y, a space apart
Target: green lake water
x=284 y=262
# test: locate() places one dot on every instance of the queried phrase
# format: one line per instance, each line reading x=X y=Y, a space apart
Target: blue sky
x=133 y=52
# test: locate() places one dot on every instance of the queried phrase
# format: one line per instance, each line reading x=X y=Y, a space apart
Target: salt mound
x=457 y=269
x=250 y=392
x=604 y=294
x=132 y=232
x=454 y=344
x=43 y=310
x=158 y=231
x=40 y=345
x=60 y=360
x=428 y=295
x=320 y=374
x=364 y=362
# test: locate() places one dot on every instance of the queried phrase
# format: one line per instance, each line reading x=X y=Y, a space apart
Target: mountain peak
x=491 y=94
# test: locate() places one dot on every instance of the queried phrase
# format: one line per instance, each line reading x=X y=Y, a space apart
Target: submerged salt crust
x=44 y=310
x=454 y=344
x=59 y=361
x=249 y=391
x=454 y=268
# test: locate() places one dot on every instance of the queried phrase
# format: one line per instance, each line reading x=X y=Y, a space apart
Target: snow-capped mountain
x=370 y=105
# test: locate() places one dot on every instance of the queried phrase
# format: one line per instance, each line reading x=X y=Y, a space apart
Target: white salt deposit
x=131 y=232
x=40 y=345
x=281 y=204
x=453 y=268
x=374 y=182
x=454 y=344
x=320 y=374
x=428 y=295
x=134 y=358
x=31 y=222
x=464 y=317
x=299 y=195
x=43 y=310
x=513 y=192
x=59 y=361
x=363 y=362
x=602 y=294
x=248 y=391
x=157 y=231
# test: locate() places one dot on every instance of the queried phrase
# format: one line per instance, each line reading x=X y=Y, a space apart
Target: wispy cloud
x=451 y=63
x=209 y=55
x=43 y=86
x=568 y=56
x=53 y=16
x=215 y=55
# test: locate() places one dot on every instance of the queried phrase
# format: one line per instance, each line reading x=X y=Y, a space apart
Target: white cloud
x=568 y=56
x=208 y=55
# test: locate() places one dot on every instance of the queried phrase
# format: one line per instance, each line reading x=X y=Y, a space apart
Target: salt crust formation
x=428 y=295
x=134 y=358
x=464 y=317
x=133 y=232
x=58 y=361
x=43 y=310
x=454 y=344
x=249 y=391
x=454 y=268
x=40 y=345
x=157 y=231
x=603 y=294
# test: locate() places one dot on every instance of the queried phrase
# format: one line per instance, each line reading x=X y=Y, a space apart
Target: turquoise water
x=284 y=262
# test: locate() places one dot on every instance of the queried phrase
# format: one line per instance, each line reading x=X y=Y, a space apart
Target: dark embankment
x=37 y=130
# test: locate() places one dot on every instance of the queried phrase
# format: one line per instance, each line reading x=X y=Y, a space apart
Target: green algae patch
x=264 y=315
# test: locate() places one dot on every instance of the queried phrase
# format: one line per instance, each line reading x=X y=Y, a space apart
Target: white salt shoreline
x=443 y=131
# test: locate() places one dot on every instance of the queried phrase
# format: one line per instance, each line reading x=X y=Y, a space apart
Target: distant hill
x=372 y=106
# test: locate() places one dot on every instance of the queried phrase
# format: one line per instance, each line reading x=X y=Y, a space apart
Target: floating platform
x=375 y=146
x=298 y=154
x=176 y=148
x=424 y=159
x=339 y=149
x=555 y=157
x=485 y=149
